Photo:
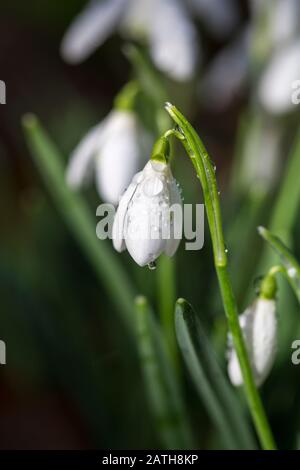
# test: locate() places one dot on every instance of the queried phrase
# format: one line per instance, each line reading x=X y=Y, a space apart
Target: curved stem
x=206 y=173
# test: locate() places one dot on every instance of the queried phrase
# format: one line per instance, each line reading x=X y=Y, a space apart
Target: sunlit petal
x=91 y=28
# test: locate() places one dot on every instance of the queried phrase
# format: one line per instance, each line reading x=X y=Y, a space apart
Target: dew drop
x=138 y=178
x=153 y=187
x=152 y=265
x=292 y=272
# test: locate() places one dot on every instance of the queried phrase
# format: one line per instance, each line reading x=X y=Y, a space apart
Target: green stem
x=166 y=288
x=206 y=174
x=254 y=400
x=217 y=395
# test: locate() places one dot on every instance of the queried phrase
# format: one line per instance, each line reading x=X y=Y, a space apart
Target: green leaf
x=160 y=380
x=292 y=268
x=287 y=204
x=79 y=219
x=206 y=174
x=213 y=388
x=286 y=207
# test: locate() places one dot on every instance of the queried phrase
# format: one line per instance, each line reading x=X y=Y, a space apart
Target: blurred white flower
x=144 y=223
x=165 y=23
x=285 y=21
x=259 y=327
x=275 y=87
x=113 y=150
x=273 y=32
x=259 y=175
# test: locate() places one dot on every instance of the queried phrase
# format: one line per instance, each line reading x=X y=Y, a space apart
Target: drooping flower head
x=113 y=150
x=148 y=221
x=165 y=24
x=259 y=327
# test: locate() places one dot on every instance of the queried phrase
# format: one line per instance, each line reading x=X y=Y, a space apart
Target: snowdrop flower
x=145 y=223
x=275 y=44
x=275 y=84
x=285 y=21
x=275 y=87
x=113 y=151
x=166 y=24
x=259 y=327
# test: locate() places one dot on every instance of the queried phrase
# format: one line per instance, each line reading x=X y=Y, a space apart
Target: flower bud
x=113 y=152
x=145 y=223
x=259 y=327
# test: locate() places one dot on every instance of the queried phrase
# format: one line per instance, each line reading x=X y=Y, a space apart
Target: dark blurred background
x=72 y=378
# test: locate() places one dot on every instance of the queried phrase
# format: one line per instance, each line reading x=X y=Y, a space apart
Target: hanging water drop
x=152 y=265
x=292 y=272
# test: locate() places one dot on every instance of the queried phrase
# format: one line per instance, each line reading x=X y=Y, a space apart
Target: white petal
x=234 y=370
x=259 y=326
x=91 y=28
x=136 y=20
x=120 y=156
x=221 y=16
x=142 y=248
x=118 y=225
x=173 y=40
x=142 y=235
x=264 y=338
x=146 y=212
x=81 y=162
x=285 y=20
x=275 y=88
x=176 y=226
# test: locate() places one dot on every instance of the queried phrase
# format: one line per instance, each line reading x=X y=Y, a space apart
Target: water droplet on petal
x=292 y=271
x=152 y=265
x=158 y=166
x=138 y=177
x=153 y=187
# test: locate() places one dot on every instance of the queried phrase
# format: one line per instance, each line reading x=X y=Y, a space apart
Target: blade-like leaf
x=221 y=403
x=78 y=217
x=160 y=380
